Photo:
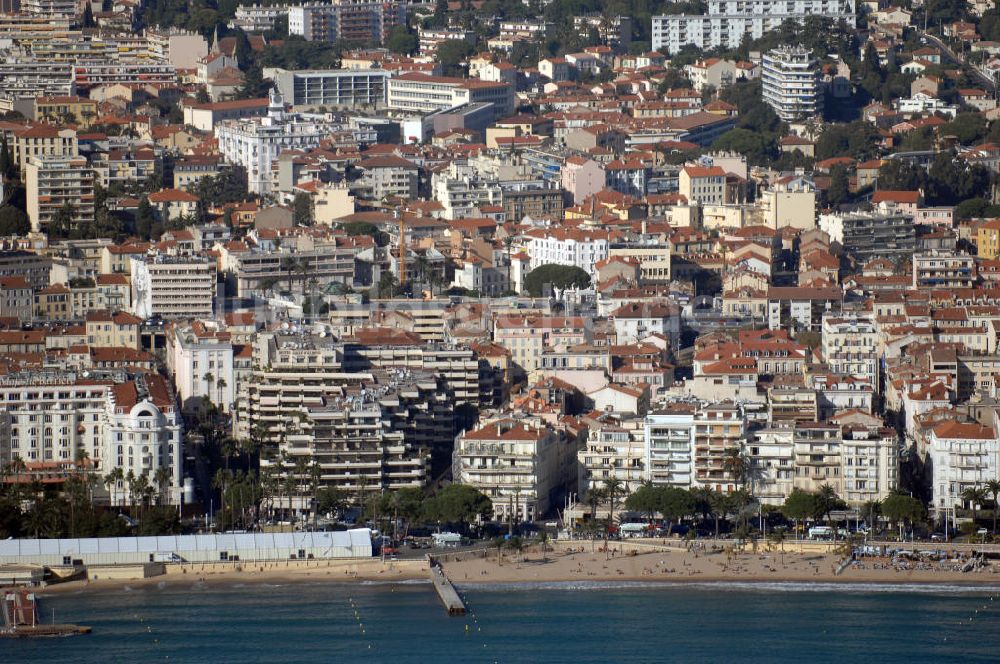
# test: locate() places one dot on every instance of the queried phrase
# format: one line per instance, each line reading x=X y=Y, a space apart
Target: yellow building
x=69 y=108
x=988 y=240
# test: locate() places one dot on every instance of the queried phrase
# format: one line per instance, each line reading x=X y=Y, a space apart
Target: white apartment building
x=255 y=143
x=850 y=346
x=54 y=416
x=870 y=464
x=520 y=466
x=615 y=449
x=961 y=456
x=172 y=287
x=636 y=321
x=940 y=269
x=703 y=184
x=52 y=182
x=361 y=21
x=257 y=18
x=714 y=72
x=772 y=455
x=718 y=429
x=567 y=246
x=200 y=357
x=364 y=431
x=527 y=336
x=818 y=458
x=422 y=93
x=142 y=433
x=51 y=9
x=430 y=38
x=791 y=83
x=727 y=23
x=331 y=87
x=669 y=445
x=462 y=191
x=836 y=392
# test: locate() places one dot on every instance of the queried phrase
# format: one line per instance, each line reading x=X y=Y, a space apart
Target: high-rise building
x=50 y=8
x=362 y=21
x=791 y=85
x=55 y=184
x=172 y=287
x=332 y=87
x=727 y=23
x=365 y=431
x=255 y=143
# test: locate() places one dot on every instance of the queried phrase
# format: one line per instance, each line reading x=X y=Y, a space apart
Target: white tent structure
x=355 y=543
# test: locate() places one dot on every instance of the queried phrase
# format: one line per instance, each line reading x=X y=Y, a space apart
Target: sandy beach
x=278 y=572
x=581 y=562
x=567 y=562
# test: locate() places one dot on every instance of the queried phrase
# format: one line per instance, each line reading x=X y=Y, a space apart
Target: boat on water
x=20 y=617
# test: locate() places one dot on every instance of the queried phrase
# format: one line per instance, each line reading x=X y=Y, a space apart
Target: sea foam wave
x=739 y=586
x=402 y=582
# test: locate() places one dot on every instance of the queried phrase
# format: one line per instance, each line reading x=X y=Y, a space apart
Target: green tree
x=451 y=53
x=401 y=41
x=759 y=148
x=858 y=140
x=87 y=20
x=827 y=500
x=736 y=462
x=839 y=191
x=613 y=489
x=799 y=505
x=365 y=228
x=974 y=496
x=542 y=277
x=145 y=219
x=901 y=508
x=13 y=221
x=302 y=209
x=645 y=499
x=459 y=503
x=674 y=504
x=900 y=175
x=8 y=167
x=62 y=223
x=993 y=487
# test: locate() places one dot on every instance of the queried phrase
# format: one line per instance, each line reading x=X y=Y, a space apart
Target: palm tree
x=118 y=475
x=288 y=263
x=162 y=479
x=221 y=482
x=826 y=500
x=209 y=378
x=130 y=482
x=220 y=384
x=993 y=486
x=516 y=545
x=975 y=496
x=613 y=489
x=543 y=540
x=736 y=462
x=778 y=537
x=721 y=504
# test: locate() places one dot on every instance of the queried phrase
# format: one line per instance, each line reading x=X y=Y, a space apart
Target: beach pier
x=20 y=616
x=446 y=591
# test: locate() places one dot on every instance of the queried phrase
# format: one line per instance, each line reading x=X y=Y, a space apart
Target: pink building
x=582 y=177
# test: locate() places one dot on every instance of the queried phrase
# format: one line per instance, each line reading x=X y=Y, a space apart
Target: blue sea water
x=595 y=622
